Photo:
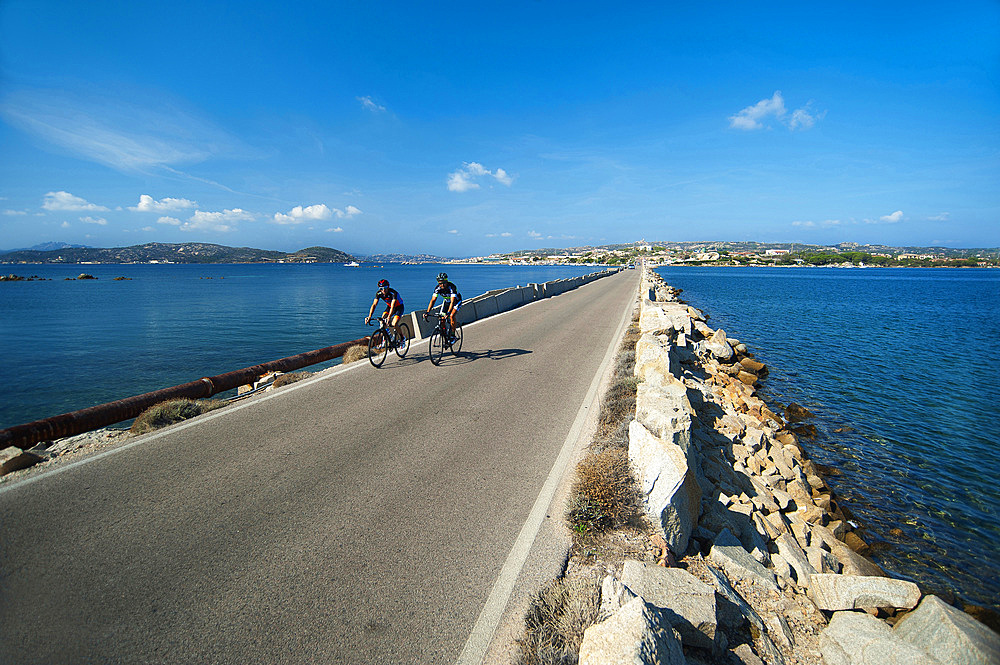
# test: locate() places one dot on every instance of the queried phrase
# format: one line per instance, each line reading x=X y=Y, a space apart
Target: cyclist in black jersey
x=449 y=292
x=393 y=305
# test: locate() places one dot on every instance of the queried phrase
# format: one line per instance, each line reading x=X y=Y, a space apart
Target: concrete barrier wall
x=503 y=300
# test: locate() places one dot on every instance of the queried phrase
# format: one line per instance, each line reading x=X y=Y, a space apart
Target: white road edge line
x=486 y=625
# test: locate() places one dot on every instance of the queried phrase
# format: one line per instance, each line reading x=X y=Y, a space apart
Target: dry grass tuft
x=355 y=353
x=173 y=411
x=556 y=620
x=291 y=377
x=605 y=495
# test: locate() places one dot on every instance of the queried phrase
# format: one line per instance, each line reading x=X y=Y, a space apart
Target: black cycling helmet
x=442 y=277
x=383 y=284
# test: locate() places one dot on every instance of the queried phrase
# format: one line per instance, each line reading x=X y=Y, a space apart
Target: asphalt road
x=362 y=517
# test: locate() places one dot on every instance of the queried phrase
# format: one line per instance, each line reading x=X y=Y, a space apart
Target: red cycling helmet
x=383 y=283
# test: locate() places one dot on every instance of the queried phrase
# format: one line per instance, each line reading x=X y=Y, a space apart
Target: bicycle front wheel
x=436 y=347
x=378 y=348
x=456 y=346
x=403 y=343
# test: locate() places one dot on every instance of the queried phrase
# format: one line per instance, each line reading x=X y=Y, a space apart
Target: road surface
x=363 y=516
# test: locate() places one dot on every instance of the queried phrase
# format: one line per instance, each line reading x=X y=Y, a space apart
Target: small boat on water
x=352 y=264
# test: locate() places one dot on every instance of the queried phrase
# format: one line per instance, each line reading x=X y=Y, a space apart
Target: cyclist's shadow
x=488 y=354
x=463 y=357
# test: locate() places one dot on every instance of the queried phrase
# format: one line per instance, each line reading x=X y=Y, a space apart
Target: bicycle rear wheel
x=456 y=346
x=436 y=347
x=378 y=347
x=403 y=343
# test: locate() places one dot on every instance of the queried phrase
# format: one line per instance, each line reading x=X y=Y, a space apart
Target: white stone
x=728 y=553
x=949 y=634
x=858 y=638
x=665 y=411
x=718 y=346
x=670 y=489
x=847 y=592
x=637 y=634
x=689 y=603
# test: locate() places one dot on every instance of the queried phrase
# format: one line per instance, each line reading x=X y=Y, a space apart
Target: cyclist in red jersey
x=393 y=306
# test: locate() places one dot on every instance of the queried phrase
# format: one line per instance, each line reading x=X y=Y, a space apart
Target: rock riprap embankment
x=727 y=483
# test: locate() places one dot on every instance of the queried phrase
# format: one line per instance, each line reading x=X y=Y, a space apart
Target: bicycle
x=384 y=338
x=443 y=337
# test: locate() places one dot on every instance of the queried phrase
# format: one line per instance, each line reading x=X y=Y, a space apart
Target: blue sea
x=69 y=345
x=900 y=367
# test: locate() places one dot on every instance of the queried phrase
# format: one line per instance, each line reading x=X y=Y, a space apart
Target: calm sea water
x=72 y=344
x=900 y=367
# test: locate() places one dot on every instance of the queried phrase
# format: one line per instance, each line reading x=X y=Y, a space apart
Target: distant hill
x=41 y=247
x=402 y=258
x=191 y=252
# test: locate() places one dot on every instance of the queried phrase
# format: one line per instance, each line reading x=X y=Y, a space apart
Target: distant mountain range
x=42 y=247
x=155 y=252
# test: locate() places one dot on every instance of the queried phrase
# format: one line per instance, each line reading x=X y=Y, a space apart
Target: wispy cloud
x=336 y=229
x=64 y=201
x=370 y=104
x=826 y=223
x=117 y=132
x=534 y=234
x=465 y=178
x=768 y=111
x=148 y=204
x=505 y=234
x=14 y=213
x=94 y=220
x=942 y=217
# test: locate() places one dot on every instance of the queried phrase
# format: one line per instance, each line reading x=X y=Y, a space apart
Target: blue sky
x=464 y=129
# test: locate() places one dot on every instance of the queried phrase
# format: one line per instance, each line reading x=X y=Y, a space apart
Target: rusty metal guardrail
x=102 y=415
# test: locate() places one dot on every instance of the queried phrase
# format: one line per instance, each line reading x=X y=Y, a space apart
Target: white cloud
x=300 y=214
x=13 y=213
x=453 y=231
x=65 y=225
x=893 y=218
x=220 y=222
x=172 y=221
x=459 y=182
x=94 y=220
x=148 y=204
x=534 y=234
x=760 y=115
x=66 y=201
x=943 y=217
x=321 y=211
x=147 y=229
x=335 y=230
x=368 y=103
x=751 y=116
x=351 y=211
x=464 y=178
x=807 y=225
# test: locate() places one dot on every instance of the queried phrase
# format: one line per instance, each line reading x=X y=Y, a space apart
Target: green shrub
x=605 y=494
x=556 y=619
x=173 y=411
